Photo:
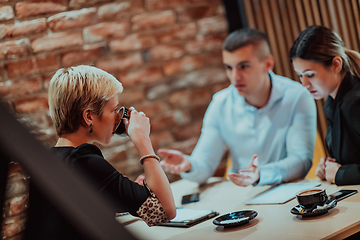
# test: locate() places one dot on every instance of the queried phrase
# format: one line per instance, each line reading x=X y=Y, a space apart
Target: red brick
x=39 y=122
x=47 y=136
x=198 y=112
x=47 y=62
x=202 y=77
x=219 y=86
x=158 y=91
x=214 y=58
x=22 y=67
x=185 y=64
x=151 y=108
x=26 y=9
x=186 y=146
x=132 y=152
x=162 y=122
x=193 y=97
x=2 y=72
x=145 y=75
x=165 y=52
x=168 y=120
x=72 y=19
x=176 y=32
x=161 y=139
x=161 y=4
x=89 y=53
x=133 y=42
x=115 y=154
x=197 y=1
x=15 y=170
x=15 y=49
x=32 y=65
x=57 y=40
x=120 y=63
x=153 y=20
x=31 y=104
x=120 y=10
x=205 y=43
x=4 y=29
x=83 y=3
x=130 y=96
x=7 y=104
x=23 y=28
x=13 y=88
x=18 y=183
x=187 y=131
x=13 y=225
x=102 y=31
x=45 y=78
x=196 y=12
x=6 y=13
x=16 y=205
x=216 y=24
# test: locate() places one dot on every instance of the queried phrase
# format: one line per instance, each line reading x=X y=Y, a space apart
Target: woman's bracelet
x=148 y=156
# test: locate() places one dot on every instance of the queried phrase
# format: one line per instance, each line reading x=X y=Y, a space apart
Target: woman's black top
x=343 y=130
x=45 y=222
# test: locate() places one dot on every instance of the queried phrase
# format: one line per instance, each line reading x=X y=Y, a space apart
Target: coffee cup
x=120 y=129
x=312 y=197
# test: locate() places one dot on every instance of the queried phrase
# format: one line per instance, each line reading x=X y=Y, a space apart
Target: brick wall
x=167 y=54
x=16 y=203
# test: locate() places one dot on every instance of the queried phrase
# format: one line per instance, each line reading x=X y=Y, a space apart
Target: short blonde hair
x=75 y=89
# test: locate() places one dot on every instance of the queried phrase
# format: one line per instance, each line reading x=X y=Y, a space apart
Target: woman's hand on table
x=320 y=169
x=331 y=168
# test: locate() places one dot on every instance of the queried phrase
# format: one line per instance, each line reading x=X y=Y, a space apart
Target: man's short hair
x=75 y=89
x=243 y=37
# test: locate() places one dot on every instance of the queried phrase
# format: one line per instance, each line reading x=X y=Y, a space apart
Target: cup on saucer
x=310 y=198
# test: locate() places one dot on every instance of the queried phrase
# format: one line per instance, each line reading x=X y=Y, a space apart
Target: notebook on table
x=282 y=193
x=187 y=217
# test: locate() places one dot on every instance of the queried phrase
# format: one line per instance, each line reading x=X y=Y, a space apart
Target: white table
x=272 y=222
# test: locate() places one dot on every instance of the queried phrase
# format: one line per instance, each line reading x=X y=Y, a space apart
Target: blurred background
x=166 y=53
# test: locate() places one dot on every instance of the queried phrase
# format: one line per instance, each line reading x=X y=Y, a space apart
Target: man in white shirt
x=267 y=121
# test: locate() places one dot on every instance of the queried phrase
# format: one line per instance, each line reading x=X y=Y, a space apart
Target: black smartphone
x=195 y=197
x=339 y=195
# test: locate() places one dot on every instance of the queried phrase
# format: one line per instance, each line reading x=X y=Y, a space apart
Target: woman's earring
x=91 y=130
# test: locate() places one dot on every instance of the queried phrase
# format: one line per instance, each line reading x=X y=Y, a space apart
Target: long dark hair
x=320 y=44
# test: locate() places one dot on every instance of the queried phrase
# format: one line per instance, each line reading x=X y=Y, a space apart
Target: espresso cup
x=312 y=197
x=120 y=129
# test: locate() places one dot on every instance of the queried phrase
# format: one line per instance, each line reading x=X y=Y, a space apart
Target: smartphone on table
x=341 y=194
x=195 y=197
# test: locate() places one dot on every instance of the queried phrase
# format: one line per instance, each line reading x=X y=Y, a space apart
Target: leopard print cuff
x=151 y=211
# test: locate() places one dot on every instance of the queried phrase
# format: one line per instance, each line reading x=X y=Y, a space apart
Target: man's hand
x=331 y=168
x=320 y=169
x=247 y=177
x=174 y=161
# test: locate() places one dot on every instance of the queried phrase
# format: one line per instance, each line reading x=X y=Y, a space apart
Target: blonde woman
x=84 y=105
x=327 y=69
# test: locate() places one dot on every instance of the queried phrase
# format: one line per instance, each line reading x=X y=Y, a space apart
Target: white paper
x=186 y=214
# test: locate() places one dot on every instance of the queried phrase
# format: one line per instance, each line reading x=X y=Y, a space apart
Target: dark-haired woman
x=327 y=69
